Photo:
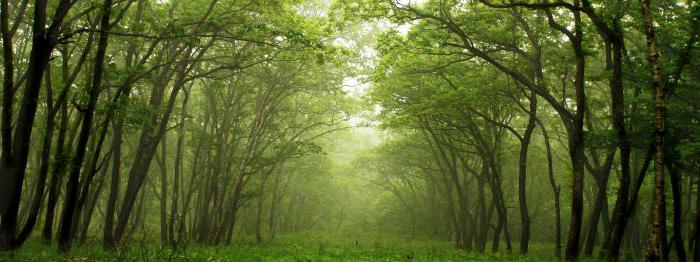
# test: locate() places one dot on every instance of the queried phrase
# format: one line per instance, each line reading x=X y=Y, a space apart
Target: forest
x=350 y=130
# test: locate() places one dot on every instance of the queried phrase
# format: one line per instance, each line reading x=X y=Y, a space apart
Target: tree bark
x=87 y=214
x=7 y=89
x=164 y=240
x=107 y=233
x=38 y=198
x=72 y=189
x=484 y=218
x=56 y=181
x=657 y=242
x=177 y=173
x=602 y=175
x=696 y=235
x=151 y=135
x=611 y=245
x=522 y=175
x=259 y=208
x=556 y=191
x=576 y=144
x=677 y=239
x=16 y=150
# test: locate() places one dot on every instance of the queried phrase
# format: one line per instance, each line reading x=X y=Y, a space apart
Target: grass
x=307 y=247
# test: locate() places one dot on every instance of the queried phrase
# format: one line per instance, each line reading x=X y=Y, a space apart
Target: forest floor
x=310 y=247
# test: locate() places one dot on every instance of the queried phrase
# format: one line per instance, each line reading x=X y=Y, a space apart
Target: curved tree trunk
x=72 y=188
x=522 y=175
x=15 y=151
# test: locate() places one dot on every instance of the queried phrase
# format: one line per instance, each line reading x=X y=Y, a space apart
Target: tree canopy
x=570 y=126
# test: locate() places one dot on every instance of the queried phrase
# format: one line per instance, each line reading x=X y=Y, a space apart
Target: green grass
x=307 y=247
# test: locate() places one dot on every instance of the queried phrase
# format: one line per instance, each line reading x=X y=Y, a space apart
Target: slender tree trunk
x=72 y=188
x=89 y=173
x=7 y=216
x=259 y=208
x=657 y=243
x=56 y=181
x=163 y=193
x=177 y=172
x=15 y=151
x=205 y=202
x=687 y=215
x=38 y=198
x=451 y=162
x=152 y=133
x=7 y=85
x=443 y=165
x=137 y=219
x=576 y=144
x=611 y=245
x=451 y=210
x=276 y=199
x=556 y=191
x=107 y=233
x=87 y=215
x=108 y=240
x=484 y=219
x=500 y=207
x=577 y=156
x=231 y=220
x=602 y=176
x=677 y=212
x=696 y=235
x=522 y=175
x=557 y=223
x=497 y=235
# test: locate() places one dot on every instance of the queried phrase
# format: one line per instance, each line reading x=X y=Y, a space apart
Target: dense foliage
x=571 y=126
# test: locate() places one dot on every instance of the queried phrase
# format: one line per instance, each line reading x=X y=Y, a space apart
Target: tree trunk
x=108 y=240
x=696 y=235
x=259 y=208
x=177 y=172
x=576 y=144
x=611 y=245
x=522 y=175
x=451 y=162
x=657 y=243
x=163 y=193
x=7 y=86
x=72 y=188
x=484 y=219
x=602 y=176
x=276 y=199
x=151 y=135
x=87 y=214
x=7 y=229
x=107 y=233
x=677 y=212
x=38 y=198
x=15 y=151
x=556 y=191
x=56 y=181
x=231 y=219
